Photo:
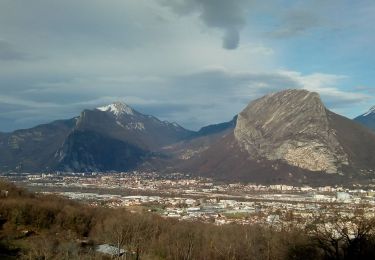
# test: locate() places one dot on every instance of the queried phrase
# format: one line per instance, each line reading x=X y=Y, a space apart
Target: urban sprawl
x=200 y=199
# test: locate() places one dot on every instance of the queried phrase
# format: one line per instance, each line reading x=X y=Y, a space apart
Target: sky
x=194 y=62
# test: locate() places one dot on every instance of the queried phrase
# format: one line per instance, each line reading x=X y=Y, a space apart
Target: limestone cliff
x=291 y=126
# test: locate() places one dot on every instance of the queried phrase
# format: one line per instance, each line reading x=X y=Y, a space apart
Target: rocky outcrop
x=291 y=126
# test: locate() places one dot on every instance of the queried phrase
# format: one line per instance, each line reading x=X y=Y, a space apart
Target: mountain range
x=367 y=119
x=284 y=137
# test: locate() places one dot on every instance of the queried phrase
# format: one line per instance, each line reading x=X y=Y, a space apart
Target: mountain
x=288 y=136
x=284 y=137
x=33 y=149
x=216 y=128
x=121 y=122
x=113 y=137
x=292 y=126
x=195 y=144
x=367 y=119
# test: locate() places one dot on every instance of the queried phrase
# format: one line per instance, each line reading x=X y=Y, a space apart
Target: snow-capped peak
x=117 y=109
x=371 y=111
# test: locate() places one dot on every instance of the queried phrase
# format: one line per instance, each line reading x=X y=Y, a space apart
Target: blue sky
x=195 y=62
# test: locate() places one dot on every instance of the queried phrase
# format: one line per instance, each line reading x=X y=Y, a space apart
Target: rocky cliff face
x=291 y=126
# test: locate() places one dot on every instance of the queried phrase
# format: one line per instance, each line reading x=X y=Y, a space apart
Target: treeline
x=49 y=227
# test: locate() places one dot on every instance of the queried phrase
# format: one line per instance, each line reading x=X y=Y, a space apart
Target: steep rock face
x=225 y=160
x=291 y=126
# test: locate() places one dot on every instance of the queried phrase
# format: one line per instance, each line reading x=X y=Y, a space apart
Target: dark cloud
x=228 y=16
x=231 y=39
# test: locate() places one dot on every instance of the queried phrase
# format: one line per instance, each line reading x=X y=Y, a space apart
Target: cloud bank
x=195 y=62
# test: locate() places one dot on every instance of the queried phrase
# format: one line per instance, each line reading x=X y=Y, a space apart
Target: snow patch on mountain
x=117 y=109
x=371 y=111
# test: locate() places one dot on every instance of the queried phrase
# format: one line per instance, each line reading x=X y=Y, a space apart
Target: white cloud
x=9 y=100
x=327 y=85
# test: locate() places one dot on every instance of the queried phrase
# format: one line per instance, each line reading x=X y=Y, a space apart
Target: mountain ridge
x=367 y=119
x=288 y=136
x=64 y=144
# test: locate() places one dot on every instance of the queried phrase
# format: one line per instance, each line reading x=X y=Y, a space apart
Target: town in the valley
x=189 y=198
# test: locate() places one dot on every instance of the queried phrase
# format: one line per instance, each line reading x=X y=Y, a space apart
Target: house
x=343 y=196
x=109 y=250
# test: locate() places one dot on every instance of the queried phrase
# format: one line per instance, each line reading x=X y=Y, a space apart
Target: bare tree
x=343 y=235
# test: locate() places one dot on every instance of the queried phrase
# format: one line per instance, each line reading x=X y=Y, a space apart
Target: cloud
x=216 y=94
x=327 y=85
x=297 y=22
x=193 y=99
x=9 y=53
x=231 y=39
x=370 y=90
x=224 y=88
x=24 y=102
x=169 y=58
x=228 y=16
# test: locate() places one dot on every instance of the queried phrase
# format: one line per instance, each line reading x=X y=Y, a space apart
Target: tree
x=344 y=236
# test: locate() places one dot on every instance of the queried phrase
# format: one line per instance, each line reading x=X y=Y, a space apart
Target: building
x=109 y=250
x=343 y=196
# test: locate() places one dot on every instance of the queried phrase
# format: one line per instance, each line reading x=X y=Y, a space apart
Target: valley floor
x=200 y=199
